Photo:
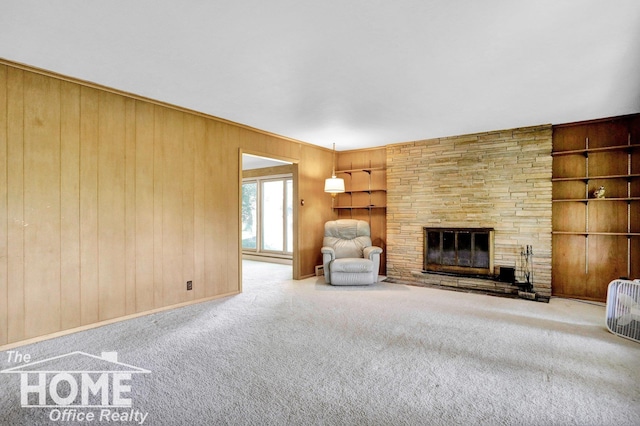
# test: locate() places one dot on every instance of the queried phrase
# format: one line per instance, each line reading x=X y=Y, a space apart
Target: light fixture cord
x=333 y=170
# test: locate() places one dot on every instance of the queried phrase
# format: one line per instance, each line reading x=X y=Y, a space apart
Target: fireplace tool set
x=526 y=286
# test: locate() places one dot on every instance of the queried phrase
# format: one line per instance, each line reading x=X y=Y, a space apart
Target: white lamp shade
x=334 y=185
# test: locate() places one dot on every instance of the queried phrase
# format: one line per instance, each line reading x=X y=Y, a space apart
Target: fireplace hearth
x=459 y=251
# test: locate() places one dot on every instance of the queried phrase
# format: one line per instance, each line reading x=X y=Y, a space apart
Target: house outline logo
x=107 y=380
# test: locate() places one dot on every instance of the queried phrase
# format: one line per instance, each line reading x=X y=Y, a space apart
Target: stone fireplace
x=498 y=180
x=460 y=251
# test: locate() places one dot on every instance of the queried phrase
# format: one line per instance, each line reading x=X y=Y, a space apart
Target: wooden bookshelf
x=595 y=240
x=365 y=197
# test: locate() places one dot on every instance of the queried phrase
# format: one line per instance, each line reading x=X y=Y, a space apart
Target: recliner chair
x=348 y=256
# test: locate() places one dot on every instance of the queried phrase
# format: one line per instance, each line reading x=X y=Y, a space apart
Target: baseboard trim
x=109 y=321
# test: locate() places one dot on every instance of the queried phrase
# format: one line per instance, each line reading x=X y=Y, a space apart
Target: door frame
x=294 y=174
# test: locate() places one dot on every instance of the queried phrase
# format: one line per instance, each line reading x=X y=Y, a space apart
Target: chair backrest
x=348 y=237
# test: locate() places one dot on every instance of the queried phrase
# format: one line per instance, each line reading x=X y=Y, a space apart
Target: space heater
x=623 y=308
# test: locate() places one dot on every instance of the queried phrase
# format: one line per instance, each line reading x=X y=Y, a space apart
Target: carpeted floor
x=302 y=352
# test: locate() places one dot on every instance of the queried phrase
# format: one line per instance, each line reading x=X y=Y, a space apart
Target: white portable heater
x=623 y=308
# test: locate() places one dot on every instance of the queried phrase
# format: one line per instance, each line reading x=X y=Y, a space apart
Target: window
x=267 y=215
x=249 y=212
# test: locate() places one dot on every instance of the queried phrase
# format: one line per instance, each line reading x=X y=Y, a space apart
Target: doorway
x=268 y=222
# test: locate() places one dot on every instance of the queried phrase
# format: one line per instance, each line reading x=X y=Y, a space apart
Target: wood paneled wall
x=110 y=202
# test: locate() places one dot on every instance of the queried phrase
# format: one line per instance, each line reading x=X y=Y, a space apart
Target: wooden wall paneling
x=378 y=157
x=348 y=181
x=89 y=113
x=111 y=207
x=634 y=218
x=42 y=204
x=158 y=208
x=608 y=163
x=379 y=179
x=569 y=166
x=15 y=204
x=359 y=181
x=635 y=187
x=361 y=214
x=569 y=217
x=343 y=200
x=217 y=251
x=344 y=214
x=198 y=132
x=573 y=189
x=106 y=164
x=569 y=138
x=360 y=199
x=144 y=207
x=607 y=261
x=4 y=234
x=313 y=169
x=615 y=188
x=569 y=265
x=634 y=243
x=229 y=151
x=378 y=233
x=215 y=235
x=188 y=202
x=634 y=128
x=608 y=216
x=171 y=138
x=357 y=159
x=130 y=206
x=70 y=204
x=295 y=270
x=607 y=133
x=379 y=198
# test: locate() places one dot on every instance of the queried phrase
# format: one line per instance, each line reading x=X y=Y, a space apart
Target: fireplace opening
x=460 y=251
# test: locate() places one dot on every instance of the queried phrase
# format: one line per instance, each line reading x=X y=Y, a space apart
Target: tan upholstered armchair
x=347 y=254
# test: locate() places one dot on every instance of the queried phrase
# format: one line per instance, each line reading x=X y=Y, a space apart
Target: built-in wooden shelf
x=365 y=196
x=366 y=170
x=586 y=156
x=366 y=190
x=588 y=200
x=628 y=177
x=363 y=185
x=360 y=207
x=613 y=234
x=586 y=151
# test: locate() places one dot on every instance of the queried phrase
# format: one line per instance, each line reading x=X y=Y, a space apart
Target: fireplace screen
x=459 y=250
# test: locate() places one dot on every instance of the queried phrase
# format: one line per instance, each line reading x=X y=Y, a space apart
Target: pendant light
x=334 y=185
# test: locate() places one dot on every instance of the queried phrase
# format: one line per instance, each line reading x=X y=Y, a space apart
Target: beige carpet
x=302 y=352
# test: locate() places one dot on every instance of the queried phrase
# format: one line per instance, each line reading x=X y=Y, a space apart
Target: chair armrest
x=369 y=251
x=328 y=251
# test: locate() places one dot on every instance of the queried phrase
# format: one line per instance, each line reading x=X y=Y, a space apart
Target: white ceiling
x=359 y=73
x=250 y=162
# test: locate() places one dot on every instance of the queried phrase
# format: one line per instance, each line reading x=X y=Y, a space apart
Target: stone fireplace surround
x=499 y=180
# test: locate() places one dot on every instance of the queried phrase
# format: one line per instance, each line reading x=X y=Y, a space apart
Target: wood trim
x=596 y=120
x=111 y=321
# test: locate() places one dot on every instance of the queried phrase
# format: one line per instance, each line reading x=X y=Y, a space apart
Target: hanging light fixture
x=334 y=185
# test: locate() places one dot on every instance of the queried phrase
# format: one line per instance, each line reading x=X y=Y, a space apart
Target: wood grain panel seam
x=4 y=336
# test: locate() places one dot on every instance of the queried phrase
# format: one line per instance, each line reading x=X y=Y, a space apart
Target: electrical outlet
x=189 y=285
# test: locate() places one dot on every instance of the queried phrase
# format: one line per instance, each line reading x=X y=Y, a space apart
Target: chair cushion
x=348 y=237
x=352 y=265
